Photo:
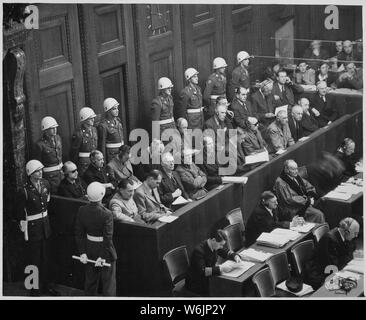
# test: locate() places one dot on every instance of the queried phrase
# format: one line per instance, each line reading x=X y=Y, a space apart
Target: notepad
x=168 y=219
x=272 y=240
x=180 y=200
x=255 y=255
x=338 y=195
x=290 y=234
x=306 y=289
x=306 y=227
x=281 y=108
x=355 y=265
x=229 y=179
x=258 y=157
x=239 y=268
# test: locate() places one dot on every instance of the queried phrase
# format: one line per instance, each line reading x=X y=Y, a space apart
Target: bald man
x=278 y=133
x=308 y=122
x=294 y=122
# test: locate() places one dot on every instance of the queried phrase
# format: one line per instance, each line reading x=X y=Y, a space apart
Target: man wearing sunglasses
x=71 y=186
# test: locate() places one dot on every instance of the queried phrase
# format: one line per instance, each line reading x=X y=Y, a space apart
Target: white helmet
x=164 y=83
x=86 y=113
x=95 y=191
x=242 y=55
x=48 y=122
x=32 y=166
x=189 y=73
x=219 y=63
x=109 y=103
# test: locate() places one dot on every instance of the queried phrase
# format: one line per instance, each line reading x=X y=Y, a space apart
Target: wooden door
x=109 y=58
x=54 y=80
x=160 y=52
x=203 y=38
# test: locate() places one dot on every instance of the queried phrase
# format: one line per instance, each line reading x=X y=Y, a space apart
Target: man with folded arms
x=266 y=217
x=148 y=200
x=296 y=195
x=263 y=104
x=279 y=134
x=203 y=262
x=252 y=140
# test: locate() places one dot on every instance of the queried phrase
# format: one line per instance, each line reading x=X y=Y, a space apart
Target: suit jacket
x=149 y=205
x=279 y=138
x=295 y=133
x=76 y=190
x=262 y=221
x=189 y=175
x=241 y=112
x=212 y=124
x=121 y=212
x=253 y=142
x=168 y=186
x=327 y=109
x=286 y=97
x=262 y=105
x=349 y=164
x=95 y=220
x=309 y=124
x=203 y=257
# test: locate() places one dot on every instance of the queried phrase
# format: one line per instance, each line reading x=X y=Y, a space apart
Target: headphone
x=345 y=224
x=346 y=142
x=347 y=284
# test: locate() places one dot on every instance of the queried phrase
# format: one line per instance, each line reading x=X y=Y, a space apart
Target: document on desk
x=230 y=179
x=258 y=157
x=281 y=108
x=355 y=265
x=180 y=200
x=348 y=274
x=306 y=289
x=239 y=268
x=348 y=188
x=306 y=227
x=338 y=195
x=255 y=255
x=168 y=219
x=272 y=240
x=290 y=234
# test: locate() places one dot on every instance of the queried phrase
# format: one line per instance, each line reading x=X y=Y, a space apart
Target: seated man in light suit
x=279 y=134
x=147 y=198
x=296 y=196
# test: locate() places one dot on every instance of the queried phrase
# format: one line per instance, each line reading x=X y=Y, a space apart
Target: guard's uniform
x=191 y=106
x=215 y=87
x=110 y=137
x=239 y=78
x=83 y=142
x=94 y=232
x=162 y=111
x=33 y=204
x=49 y=152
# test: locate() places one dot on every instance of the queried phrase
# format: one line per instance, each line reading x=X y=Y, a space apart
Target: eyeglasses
x=73 y=171
x=256 y=124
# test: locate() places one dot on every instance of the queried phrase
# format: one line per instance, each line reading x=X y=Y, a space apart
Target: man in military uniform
x=84 y=140
x=110 y=131
x=32 y=215
x=94 y=233
x=215 y=86
x=48 y=150
x=162 y=106
x=191 y=100
x=240 y=76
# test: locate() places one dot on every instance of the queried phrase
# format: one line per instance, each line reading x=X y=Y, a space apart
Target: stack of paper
x=306 y=227
x=355 y=265
x=306 y=289
x=348 y=188
x=229 y=179
x=338 y=195
x=168 y=219
x=180 y=200
x=272 y=240
x=348 y=274
x=290 y=234
x=255 y=255
x=258 y=157
x=238 y=268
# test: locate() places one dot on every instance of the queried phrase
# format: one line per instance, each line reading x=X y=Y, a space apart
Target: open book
x=272 y=240
x=306 y=227
x=258 y=157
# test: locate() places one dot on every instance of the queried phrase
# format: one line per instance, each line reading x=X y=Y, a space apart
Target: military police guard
x=84 y=140
x=110 y=131
x=48 y=150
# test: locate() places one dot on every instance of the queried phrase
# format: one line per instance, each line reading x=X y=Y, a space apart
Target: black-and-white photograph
x=182 y=150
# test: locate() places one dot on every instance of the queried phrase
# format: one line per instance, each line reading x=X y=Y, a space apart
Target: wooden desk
x=223 y=286
x=322 y=292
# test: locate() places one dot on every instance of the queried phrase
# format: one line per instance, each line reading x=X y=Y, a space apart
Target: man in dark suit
x=241 y=107
x=94 y=233
x=308 y=122
x=266 y=217
x=294 y=122
x=171 y=186
x=263 y=103
x=323 y=105
x=253 y=141
x=71 y=186
x=284 y=89
x=203 y=263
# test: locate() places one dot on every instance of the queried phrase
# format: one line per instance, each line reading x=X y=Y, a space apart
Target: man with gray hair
x=296 y=196
x=263 y=104
x=279 y=134
x=308 y=122
x=294 y=122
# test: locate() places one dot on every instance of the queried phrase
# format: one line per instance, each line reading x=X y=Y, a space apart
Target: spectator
x=315 y=53
x=323 y=74
x=348 y=53
x=283 y=90
x=304 y=75
x=351 y=78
